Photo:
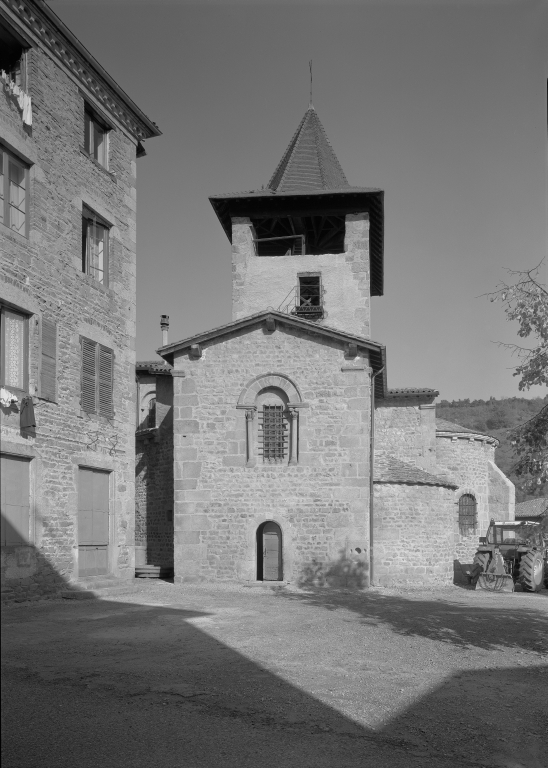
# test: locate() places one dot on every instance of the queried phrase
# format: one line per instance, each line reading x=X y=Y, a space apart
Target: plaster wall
x=502 y=494
x=321 y=503
x=260 y=282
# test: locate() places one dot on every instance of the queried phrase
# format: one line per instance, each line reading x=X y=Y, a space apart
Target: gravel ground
x=192 y=677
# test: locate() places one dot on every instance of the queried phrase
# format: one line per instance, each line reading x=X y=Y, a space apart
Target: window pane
x=1 y=186
x=17 y=197
x=96 y=250
x=87 y=133
x=14 y=350
x=99 y=143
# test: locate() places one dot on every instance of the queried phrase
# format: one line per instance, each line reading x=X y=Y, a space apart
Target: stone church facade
x=277 y=414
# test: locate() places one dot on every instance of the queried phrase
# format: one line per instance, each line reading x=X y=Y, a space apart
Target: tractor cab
x=512 y=535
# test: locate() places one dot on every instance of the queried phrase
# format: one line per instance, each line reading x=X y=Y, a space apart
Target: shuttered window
x=97 y=378
x=48 y=373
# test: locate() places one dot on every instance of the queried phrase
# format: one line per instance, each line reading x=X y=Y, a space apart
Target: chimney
x=164 y=325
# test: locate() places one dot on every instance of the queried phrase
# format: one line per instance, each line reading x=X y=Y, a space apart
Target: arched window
x=467 y=514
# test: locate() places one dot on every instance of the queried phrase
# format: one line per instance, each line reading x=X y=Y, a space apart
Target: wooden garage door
x=93 y=522
x=14 y=500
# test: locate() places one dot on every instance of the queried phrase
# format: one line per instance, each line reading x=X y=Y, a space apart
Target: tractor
x=512 y=553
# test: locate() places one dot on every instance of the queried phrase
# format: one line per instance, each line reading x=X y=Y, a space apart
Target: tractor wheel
x=479 y=565
x=531 y=572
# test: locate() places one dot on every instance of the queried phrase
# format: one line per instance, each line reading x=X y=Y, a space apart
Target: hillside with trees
x=496 y=418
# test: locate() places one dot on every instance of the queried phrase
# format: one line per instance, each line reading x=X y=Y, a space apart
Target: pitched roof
x=532 y=508
x=449 y=427
x=388 y=469
x=153 y=366
x=309 y=162
x=376 y=350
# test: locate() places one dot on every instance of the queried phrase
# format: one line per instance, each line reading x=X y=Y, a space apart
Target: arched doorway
x=269 y=552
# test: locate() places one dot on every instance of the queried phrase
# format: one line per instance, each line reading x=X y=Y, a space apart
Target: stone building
x=69 y=142
x=272 y=413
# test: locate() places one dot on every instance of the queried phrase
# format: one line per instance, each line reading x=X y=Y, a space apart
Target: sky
x=440 y=103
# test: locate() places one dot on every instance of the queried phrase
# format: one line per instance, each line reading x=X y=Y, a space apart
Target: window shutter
x=48 y=375
x=106 y=366
x=88 y=376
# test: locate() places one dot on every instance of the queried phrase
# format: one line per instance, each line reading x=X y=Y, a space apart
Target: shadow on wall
x=344 y=573
x=162 y=691
x=26 y=573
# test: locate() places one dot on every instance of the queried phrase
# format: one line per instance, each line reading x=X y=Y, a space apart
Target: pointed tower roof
x=309 y=162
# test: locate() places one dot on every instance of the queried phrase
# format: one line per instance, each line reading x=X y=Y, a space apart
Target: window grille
x=467 y=514
x=274 y=433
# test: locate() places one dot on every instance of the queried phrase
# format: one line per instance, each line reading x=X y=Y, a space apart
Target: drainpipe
x=371 y=468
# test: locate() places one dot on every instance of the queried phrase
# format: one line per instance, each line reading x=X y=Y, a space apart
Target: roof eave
x=378 y=358
x=150 y=128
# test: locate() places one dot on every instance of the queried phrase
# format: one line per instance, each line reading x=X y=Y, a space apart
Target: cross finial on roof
x=310 y=102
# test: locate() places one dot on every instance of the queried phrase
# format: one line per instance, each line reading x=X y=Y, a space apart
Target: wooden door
x=93 y=522
x=272 y=552
x=14 y=500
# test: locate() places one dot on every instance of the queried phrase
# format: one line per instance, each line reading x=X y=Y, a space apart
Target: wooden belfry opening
x=269 y=552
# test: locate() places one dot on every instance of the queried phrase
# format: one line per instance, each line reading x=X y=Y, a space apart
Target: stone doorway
x=269 y=552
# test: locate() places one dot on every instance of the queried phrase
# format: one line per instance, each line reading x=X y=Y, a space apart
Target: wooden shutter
x=48 y=373
x=106 y=370
x=89 y=377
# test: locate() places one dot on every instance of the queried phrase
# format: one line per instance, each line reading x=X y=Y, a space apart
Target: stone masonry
x=320 y=503
x=42 y=276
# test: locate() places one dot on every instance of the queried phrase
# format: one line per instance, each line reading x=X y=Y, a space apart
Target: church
x=290 y=458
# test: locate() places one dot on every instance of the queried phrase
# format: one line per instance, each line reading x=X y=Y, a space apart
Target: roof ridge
x=309 y=162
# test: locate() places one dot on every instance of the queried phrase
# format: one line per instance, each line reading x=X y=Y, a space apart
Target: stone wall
x=466 y=460
x=321 y=503
x=260 y=282
x=154 y=480
x=42 y=276
x=413 y=534
x=405 y=428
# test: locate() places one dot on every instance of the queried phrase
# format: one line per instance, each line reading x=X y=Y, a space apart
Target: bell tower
x=308 y=244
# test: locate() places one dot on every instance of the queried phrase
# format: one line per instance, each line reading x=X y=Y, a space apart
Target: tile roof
x=153 y=366
x=444 y=426
x=309 y=162
x=388 y=469
x=411 y=392
x=532 y=508
x=377 y=352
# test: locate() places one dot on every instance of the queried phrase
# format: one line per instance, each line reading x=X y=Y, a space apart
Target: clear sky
x=441 y=103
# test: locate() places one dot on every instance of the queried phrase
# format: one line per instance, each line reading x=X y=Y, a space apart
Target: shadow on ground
x=445 y=620
x=123 y=684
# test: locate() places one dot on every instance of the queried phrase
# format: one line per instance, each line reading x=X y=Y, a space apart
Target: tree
x=525 y=299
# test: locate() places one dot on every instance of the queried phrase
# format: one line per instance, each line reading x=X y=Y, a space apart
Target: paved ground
x=195 y=677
